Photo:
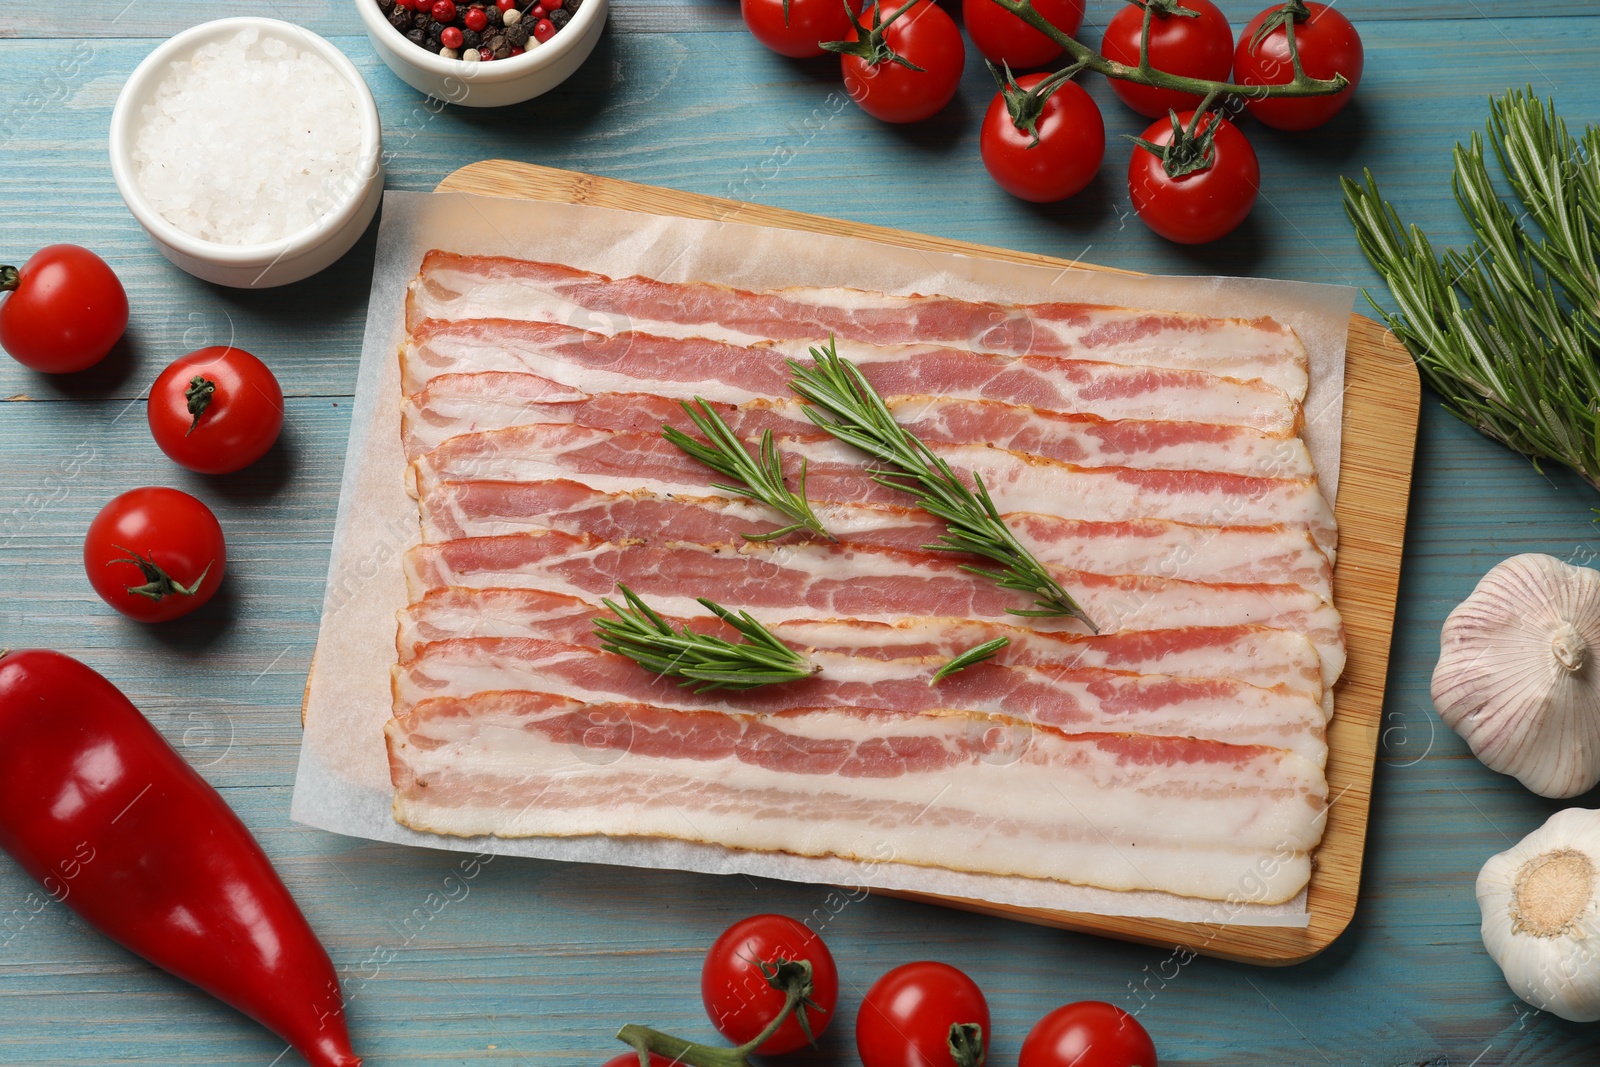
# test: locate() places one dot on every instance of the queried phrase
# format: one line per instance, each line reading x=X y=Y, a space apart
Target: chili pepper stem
x=1144 y=74
x=10 y=278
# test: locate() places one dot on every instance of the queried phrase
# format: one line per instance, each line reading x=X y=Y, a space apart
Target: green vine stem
x=10 y=278
x=1085 y=58
x=157 y=582
x=790 y=977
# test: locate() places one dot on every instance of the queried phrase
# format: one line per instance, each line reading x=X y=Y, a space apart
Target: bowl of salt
x=250 y=151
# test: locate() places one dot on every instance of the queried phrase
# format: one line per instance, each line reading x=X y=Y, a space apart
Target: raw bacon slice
x=451 y=286
x=1072 y=699
x=1255 y=655
x=623 y=461
x=455 y=404
x=1245 y=555
x=931 y=790
x=807 y=581
x=730 y=374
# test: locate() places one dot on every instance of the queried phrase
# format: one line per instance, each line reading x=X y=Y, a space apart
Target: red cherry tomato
x=740 y=1000
x=925 y=36
x=1205 y=204
x=800 y=35
x=631 y=1059
x=65 y=310
x=1072 y=142
x=906 y=1016
x=1089 y=1033
x=216 y=410
x=1328 y=44
x=1002 y=37
x=1199 y=47
x=161 y=542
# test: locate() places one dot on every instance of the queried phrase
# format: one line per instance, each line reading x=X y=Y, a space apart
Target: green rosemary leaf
x=705 y=662
x=1506 y=330
x=758 y=477
x=975 y=654
x=846 y=405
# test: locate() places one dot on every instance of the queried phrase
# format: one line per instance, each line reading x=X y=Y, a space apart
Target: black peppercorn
x=416 y=37
x=572 y=6
x=400 y=19
x=559 y=17
x=471 y=39
x=386 y=6
x=433 y=43
x=517 y=36
x=493 y=14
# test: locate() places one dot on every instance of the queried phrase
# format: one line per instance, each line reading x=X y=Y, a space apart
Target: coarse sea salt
x=249 y=140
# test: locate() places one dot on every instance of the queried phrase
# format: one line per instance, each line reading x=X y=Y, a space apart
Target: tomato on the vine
x=919 y=32
x=1004 y=38
x=1327 y=43
x=64 y=311
x=216 y=410
x=1090 y=1033
x=631 y=1059
x=1208 y=201
x=1197 y=46
x=740 y=999
x=795 y=28
x=1071 y=143
x=924 y=1014
x=155 y=554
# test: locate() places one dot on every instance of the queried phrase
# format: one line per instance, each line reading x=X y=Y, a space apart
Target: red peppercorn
x=517 y=52
x=543 y=30
x=476 y=19
x=450 y=37
x=505 y=5
x=552 y=5
x=486 y=54
x=535 y=13
x=444 y=11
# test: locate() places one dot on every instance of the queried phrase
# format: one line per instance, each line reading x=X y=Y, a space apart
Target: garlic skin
x=1541 y=919
x=1516 y=676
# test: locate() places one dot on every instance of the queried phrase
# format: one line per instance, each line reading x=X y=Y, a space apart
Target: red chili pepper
x=97 y=807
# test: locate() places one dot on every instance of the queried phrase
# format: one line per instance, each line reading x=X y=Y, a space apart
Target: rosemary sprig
x=759 y=477
x=1508 y=329
x=704 y=661
x=975 y=654
x=972 y=524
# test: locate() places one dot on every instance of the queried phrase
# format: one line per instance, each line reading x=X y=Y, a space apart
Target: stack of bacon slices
x=1151 y=459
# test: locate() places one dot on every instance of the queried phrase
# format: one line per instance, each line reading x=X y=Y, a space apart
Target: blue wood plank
x=538 y=962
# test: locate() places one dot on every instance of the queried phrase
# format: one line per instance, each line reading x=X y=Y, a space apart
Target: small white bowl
x=257 y=266
x=492 y=84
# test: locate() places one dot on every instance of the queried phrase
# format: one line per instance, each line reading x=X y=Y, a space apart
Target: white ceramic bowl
x=494 y=84
x=258 y=266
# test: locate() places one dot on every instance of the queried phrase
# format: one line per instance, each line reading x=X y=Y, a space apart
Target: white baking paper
x=343 y=780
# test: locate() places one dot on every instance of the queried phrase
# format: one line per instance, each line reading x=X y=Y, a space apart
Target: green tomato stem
x=10 y=278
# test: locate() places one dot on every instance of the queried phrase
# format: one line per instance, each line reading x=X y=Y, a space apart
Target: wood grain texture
x=541 y=962
x=1381 y=402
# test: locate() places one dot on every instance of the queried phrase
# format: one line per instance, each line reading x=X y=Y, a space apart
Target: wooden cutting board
x=1382 y=395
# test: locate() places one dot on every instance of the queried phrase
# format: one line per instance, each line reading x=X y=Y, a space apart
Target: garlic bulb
x=1541 y=920
x=1516 y=677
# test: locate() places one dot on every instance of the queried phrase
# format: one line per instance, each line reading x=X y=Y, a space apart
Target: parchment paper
x=343 y=780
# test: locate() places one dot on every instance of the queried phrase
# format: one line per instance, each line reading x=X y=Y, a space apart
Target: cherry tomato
x=906 y=1017
x=1002 y=37
x=1089 y=1033
x=925 y=36
x=1072 y=142
x=155 y=554
x=65 y=310
x=737 y=995
x=808 y=23
x=216 y=410
x=1327 y=44
x=1199 y=47
x=1205 y=204
x=631 y=1059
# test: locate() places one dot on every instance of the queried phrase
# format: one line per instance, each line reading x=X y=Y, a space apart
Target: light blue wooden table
x=541 y=962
